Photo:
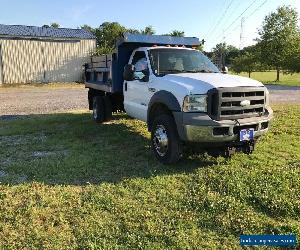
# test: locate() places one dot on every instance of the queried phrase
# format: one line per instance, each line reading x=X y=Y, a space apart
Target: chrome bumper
x=205 y=134
x=201 y=128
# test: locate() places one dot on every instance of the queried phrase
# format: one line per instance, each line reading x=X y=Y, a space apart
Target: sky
x=214 y=21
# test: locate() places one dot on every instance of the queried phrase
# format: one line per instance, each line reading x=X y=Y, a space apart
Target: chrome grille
x=226 y=103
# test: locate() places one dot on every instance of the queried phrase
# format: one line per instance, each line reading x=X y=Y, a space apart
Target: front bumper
x=199 y=127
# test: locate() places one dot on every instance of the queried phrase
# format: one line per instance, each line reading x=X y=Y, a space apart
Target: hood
x=200 y=83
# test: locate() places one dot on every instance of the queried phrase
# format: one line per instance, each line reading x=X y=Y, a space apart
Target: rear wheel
x=98 y=109
x=108 y=108
x=165 y=139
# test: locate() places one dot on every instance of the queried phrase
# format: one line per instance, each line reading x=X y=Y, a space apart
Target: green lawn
x=270 y=77
x=69 y=183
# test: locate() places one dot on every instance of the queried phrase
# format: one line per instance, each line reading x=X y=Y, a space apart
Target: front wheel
x=165 y=139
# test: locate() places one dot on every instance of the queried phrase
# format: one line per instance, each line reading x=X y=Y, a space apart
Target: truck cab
x=181 y=95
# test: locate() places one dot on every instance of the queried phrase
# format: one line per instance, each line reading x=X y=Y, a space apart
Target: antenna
x=242 y=33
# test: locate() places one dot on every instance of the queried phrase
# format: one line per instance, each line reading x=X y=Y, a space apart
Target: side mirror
x=128 y=73
x=146 y=72
x=224 y=70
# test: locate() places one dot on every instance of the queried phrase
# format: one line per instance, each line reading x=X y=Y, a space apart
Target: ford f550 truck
x=179 y=93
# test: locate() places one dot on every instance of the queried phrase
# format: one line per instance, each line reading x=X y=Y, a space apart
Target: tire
x=108 y=108
x=98 y=109
x=165 y=140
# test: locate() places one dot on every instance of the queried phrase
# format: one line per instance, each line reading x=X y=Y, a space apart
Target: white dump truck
x=181 y=95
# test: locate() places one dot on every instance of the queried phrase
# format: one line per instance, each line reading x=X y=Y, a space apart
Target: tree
x=54 y=25
x=277 y=37
x=108 y=33
x=133 y=31
x=149 y=30
x=246 y=62
x=293 y=59
x=231 y=53
x=219 y=53
x=103 y=51
x=178 y=33
x=87 y=28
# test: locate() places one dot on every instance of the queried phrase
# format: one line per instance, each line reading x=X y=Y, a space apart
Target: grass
x=69 y=183
x=270 y=77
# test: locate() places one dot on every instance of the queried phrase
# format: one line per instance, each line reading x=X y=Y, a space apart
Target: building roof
x=34 y=31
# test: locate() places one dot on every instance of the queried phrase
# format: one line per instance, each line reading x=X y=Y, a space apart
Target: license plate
x=247 y=134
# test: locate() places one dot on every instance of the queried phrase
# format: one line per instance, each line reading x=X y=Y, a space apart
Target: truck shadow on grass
x=70 y=148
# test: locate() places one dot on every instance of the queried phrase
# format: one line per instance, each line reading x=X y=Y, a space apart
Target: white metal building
x=31 y=54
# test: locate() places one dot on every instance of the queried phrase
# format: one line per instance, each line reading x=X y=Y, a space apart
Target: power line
x=228 y=27
x=240 y=15
x=234 y=29
x=235 y=9
x=252 y=13
x=221 y=17
x=213 y=25
x=257 y=9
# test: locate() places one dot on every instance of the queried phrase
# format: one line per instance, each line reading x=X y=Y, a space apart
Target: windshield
x=172 y=61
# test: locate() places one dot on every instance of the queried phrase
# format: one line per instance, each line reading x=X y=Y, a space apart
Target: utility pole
x=222 y=57
x=242 y=33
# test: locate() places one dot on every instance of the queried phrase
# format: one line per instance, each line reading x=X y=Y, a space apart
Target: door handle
x=125 y=86
x=152 y=89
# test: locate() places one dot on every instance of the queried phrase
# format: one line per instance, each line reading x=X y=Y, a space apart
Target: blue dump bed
x=106 y=72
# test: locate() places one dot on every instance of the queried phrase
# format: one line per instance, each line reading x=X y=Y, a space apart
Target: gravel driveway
x=43 y=100
x=284 y=94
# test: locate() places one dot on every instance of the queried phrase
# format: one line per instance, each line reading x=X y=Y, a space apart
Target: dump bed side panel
x=123 y=55
x=106 y=72
x=122 y=58
x=98 y=72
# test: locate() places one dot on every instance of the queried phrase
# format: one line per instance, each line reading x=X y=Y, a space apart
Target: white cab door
x=136 y=92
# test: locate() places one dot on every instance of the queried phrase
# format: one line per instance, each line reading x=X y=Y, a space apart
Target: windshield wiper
x=202 y=71
x=170 y=71
x=173 y=70
x=188 y=71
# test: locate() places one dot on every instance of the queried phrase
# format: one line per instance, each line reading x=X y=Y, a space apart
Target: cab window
x=140 y=63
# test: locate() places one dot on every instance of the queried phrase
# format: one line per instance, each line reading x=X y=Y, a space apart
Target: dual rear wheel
x=102 y=109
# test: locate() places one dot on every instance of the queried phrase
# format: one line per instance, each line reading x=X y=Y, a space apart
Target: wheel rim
x=160 y=140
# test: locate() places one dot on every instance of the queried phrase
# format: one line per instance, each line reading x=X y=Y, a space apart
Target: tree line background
x=277 y=47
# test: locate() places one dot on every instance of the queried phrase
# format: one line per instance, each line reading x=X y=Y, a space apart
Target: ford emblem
x=245 y=103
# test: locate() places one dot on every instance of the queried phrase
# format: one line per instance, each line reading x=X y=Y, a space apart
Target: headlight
x=195 y=103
